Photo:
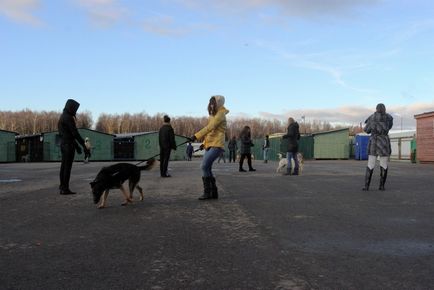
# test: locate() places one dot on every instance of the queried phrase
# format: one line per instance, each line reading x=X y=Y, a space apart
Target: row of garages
x=337 y=144
x=104 y=147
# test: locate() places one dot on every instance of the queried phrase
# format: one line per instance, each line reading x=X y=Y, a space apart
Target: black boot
x=206 y=188
x=241 y=168
x=383 y=176
x=368 y=176
x=214 y=190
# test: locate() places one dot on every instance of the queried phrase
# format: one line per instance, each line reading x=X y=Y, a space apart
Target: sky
x=329 y=60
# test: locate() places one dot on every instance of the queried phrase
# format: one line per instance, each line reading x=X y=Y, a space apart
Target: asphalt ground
x=266 y=231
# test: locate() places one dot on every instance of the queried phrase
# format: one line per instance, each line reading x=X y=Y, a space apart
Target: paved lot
x=267 y=231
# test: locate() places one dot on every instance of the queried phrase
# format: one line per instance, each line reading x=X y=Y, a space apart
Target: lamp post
x=400 y=116
x=304 y=123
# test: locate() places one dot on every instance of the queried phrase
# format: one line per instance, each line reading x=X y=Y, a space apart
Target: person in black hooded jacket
x=293 y=135
x=69 y=137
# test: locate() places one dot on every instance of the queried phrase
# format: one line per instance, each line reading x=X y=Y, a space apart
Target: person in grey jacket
x=378 y=125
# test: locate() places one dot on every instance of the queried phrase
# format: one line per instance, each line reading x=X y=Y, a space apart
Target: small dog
x=283 y=163
x=114 y=176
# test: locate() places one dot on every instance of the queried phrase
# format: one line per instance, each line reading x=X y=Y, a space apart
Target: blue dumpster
x=361 y=147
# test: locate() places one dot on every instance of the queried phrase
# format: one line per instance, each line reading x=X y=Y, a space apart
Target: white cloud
x=104 y=13
x=354 y=115
x=21 y=11
x=166 y=25
x=310 y=61
x=304 y=8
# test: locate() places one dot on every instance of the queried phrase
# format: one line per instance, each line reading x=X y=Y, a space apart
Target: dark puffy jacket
x=67 y=128
x=293 y=135
x=232 y=145
x=166 y=137
x=246 y=144
x=378 y=125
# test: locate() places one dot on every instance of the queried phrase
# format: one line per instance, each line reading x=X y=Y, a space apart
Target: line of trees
x=27 y=122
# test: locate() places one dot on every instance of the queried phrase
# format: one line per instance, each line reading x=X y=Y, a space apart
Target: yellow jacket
x=214 y=132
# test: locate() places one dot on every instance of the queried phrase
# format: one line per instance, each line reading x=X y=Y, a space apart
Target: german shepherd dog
x=114 y=176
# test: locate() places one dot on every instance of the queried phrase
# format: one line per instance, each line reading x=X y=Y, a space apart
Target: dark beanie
x=166 y=119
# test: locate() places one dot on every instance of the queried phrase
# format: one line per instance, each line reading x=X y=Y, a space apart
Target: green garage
x=144 y=145
x=332 y=144
x=101 y=145
x=7 y=146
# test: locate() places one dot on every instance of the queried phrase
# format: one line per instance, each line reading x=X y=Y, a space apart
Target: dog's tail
x=149 y=164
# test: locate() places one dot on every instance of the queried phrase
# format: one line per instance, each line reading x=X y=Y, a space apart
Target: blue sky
x=330 y=60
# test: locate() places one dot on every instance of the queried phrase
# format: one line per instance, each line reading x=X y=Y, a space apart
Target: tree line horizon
x=29 y=122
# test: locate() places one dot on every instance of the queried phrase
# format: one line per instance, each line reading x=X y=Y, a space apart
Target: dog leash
x=160 y=154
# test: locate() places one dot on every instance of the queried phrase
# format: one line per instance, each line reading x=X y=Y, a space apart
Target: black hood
x=71 y=106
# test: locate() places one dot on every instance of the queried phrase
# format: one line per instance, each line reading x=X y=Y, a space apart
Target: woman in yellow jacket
x=213 y=136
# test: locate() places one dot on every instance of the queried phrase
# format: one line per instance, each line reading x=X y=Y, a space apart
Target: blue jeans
x=208 y=159
x=289 y=156
x=266 y=153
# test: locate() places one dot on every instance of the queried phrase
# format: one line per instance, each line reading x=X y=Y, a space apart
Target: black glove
x=77 y=148
x=192 y=138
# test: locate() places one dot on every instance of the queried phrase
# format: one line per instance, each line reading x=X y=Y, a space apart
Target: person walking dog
x=293 y=135
x=69 y=137
x=213 y=136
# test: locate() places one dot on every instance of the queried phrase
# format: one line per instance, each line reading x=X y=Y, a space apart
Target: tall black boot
x=383 y=176
x=206 y=188
x=214 y=190
x=241 y=164
x=368 y=176
x=249 y=162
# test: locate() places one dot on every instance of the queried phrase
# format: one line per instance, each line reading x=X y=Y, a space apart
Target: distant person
x=189 y=151
x=166 y=138
x=232 y=147
x=293 y=136
x=89 y=147
x=222 y=156
x=69 y=137
x=213 y=135
x=245 y=151
x=266 y=148
x=378 y=125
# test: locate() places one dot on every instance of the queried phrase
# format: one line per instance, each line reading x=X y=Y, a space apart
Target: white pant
x=384 y=160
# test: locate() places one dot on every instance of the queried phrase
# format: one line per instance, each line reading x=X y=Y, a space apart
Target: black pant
x=68 y=153
x=232 y=155
x=249 y=160
x=164 y=160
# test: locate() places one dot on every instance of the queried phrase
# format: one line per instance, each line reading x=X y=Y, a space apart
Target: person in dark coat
x=245 y=148
x=232 y=147
x=293 y=135
x=378 y=125
x=69 y=137
x=189 y=151
x=166 y=138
